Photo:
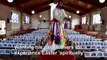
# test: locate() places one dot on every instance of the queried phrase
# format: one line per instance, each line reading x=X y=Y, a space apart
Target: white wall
x=36 y=20
x=75 y=20
x=44 y=25
x=46 y=14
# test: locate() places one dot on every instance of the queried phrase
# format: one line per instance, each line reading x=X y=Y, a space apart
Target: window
x=2 y=27
x=27 y=20
x=15 y=17
x=84 y=20
x=96 y=18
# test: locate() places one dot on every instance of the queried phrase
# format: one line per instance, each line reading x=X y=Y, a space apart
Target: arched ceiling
x=84 y=6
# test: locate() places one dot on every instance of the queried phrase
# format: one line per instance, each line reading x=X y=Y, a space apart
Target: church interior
x=53 y=29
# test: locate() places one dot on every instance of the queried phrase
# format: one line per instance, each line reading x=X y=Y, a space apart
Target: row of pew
x=13 y=44
x=89 y=44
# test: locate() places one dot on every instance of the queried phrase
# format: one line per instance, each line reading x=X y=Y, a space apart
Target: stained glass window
x=15 y=17
x=27 y=19
x=84 y=20
x=96 y=18
x=2 y=27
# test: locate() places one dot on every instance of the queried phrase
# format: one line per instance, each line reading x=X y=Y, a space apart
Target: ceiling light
x=77 y=12
x=33 y=12
x=40 y=16
x=69 y=16
x=10 y=1
x=101 y=1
